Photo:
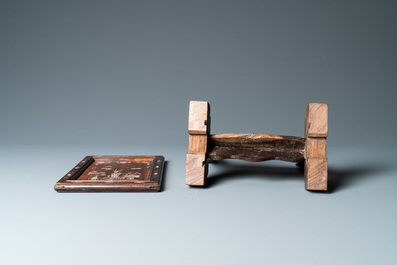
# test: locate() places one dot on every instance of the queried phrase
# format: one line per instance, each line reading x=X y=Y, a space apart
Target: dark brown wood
x=114 y=174
x=256 y=147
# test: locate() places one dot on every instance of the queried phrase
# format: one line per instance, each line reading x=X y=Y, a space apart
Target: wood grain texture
x=309 y=151
x=316 y=173
x=316 y=123
x=316 y=131
x=256 y=147
x=198 y=128
x=316 y=147
x=196 y=170
x=198 y=117
x=197 y=144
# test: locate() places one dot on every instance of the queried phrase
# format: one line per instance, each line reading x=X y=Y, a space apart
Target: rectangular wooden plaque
x=114 y=174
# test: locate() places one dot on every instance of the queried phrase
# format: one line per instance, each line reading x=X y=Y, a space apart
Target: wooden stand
x=309 y=151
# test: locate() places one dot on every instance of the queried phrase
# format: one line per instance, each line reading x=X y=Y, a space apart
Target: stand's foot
x=196 y=170
x=316 y=173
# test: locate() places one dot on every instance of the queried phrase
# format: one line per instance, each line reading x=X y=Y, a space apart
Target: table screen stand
x=308 y=151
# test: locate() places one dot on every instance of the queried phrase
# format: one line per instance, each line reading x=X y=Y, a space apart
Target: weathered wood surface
x=309 y=151
x=198 y=128
x=198 y=117
x=197 y=144
x=196 y=170
x=316 y=147
x=114 y=174
x=316 y=131
x=316 y=173
x=316 y=123
x=256 y=147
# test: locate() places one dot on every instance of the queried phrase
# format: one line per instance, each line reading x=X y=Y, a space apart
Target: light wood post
x=198 y=128
x=316 y=132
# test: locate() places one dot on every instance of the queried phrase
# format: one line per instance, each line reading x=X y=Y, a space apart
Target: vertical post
x=198 y=128
x=316 y=132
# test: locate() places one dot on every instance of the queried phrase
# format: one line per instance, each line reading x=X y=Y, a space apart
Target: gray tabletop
x=249 y=213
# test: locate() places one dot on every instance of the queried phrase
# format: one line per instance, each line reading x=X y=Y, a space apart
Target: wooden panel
x=316 y=123
x=119 y=169
x=114 y=174
x=256 y=147
x=316 y=173
x=197 y=144
x=198 y=117
x=196 y=171
x=316 y=147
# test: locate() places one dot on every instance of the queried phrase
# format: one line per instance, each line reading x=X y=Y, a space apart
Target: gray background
x=115 y=77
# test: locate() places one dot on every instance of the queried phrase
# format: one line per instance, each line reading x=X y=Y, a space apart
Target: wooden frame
x=114 y=174
x=309 y=151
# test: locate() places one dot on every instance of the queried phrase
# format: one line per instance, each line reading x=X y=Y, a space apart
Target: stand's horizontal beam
x=256 y=147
